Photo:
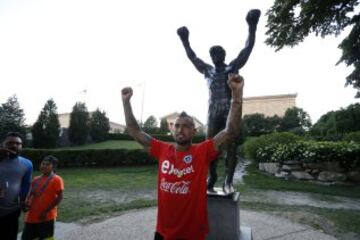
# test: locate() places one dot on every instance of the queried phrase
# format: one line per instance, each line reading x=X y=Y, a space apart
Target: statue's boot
x=230 y=161
x=212 y=176
x=228 y=186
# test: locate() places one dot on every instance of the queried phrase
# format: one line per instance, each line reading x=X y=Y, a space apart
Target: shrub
x=347 y=154
x=293 y=151
x=352 y=137
x=253 y=144
x=162 y=137
x=264 y=154
x=91 y=157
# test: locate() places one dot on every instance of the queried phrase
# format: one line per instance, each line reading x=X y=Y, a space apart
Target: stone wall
x=327 y=172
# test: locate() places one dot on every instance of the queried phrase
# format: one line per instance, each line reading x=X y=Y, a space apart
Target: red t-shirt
x=182 y=200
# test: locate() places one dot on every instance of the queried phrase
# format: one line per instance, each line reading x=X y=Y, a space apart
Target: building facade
x=269 y=105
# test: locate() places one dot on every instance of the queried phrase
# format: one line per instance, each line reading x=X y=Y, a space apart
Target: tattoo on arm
x=133 y=127
x=232 y=128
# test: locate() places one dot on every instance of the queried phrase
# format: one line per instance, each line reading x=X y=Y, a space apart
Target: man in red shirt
x=183 y=168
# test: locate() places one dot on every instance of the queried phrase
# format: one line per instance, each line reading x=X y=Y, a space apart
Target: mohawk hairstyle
x=183 y=114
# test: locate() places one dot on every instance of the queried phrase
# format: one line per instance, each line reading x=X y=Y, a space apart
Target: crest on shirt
x=187 y=159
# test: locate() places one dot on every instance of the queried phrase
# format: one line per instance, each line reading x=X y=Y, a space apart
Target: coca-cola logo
x=181 y=187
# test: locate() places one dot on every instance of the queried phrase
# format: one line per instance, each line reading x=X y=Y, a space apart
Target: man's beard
x=183 y=143
x=13 y=154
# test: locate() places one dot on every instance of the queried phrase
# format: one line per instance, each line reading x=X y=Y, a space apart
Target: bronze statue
x=219 y=92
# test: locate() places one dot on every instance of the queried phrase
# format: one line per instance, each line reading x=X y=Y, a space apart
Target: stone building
x=269 y=105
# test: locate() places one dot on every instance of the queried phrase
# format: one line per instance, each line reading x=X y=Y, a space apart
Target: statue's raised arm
x=199 y=64
x=252 y=19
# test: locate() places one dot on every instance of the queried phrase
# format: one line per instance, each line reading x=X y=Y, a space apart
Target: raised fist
x=126 y=94
x=183 y=33
x=252 y=17
x=235 y=82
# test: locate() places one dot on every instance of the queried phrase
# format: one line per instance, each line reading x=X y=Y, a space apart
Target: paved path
x=140 y=225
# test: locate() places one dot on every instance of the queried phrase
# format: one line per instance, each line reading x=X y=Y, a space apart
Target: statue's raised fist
x=253 y=17
x=183 y=33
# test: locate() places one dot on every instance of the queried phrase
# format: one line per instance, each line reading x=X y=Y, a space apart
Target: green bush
x=162 y=137
x=91 y=157
x=292 y=151
x=120 y=136
x=352 y=137
x=264 y=154
x=253 y=144
x=347 y=154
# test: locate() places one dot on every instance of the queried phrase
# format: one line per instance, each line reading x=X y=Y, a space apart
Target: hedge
x=251 y=145
x=91 y=157
x=348 y=154
x=352 y=137
x=162 y=137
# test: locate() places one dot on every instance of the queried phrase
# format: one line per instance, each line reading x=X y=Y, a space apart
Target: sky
x=88 y=50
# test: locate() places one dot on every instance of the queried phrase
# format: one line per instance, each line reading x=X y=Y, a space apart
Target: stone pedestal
x=224 y=217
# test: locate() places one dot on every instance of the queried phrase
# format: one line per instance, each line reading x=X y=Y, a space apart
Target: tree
x=99 y=126
x=11 y=117
x=257 y=124
x=335 y=124
x=46 y=129
x=150 y=125
x=291 y=21
x=164 y=127
x=295 y=120
x=79 y=124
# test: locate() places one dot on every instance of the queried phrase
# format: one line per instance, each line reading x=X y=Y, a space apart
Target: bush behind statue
x=352 y=137
x=253 y=144
x=162 y=137
x=92 y=157
x=347 y=154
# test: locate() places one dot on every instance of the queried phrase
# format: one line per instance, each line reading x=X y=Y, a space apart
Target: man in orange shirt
x=46 y=194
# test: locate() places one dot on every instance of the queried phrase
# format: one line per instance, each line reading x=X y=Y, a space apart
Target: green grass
x=95 y=192
x=111 y=144
x=109 y=178
x=331 y=221
x=258 y=180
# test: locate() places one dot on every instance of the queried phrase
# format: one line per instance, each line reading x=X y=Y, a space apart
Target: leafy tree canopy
x=99 y=126
x=150 y=125
x=46 y=129
x=12 y=117
x=79 y=124
x=291 y=21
